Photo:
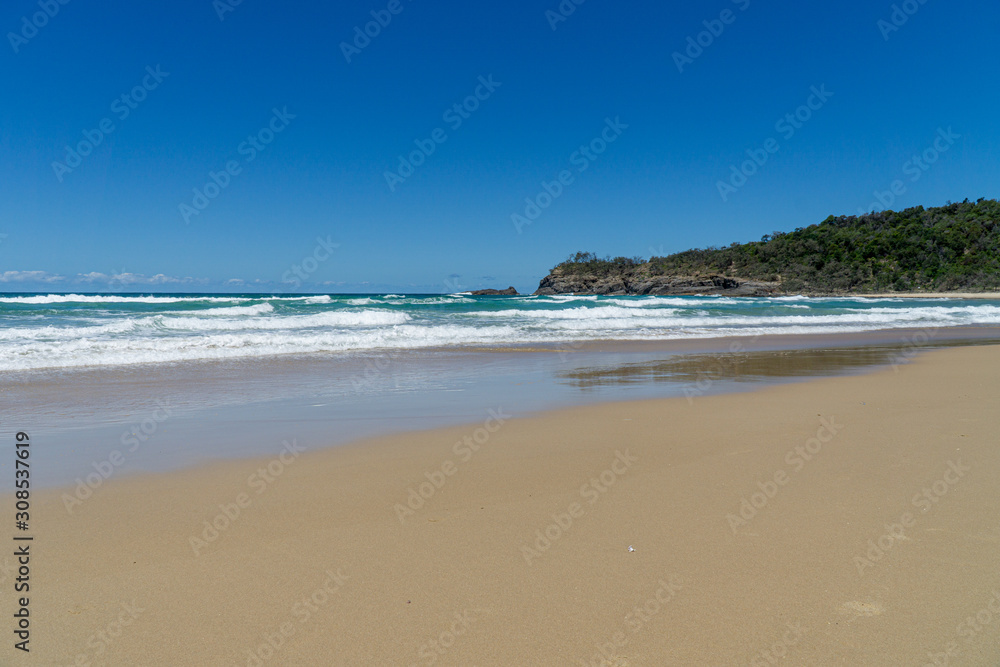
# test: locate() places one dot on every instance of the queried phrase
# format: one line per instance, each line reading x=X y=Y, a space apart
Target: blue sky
x=267 y=91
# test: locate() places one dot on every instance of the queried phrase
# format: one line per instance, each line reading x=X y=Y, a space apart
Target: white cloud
x=98 y=279
x=30 y=276
x=161 y=279
x=120 y=279
x=126 y=278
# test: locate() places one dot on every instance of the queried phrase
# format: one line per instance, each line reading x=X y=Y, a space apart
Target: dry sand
x=696 y=590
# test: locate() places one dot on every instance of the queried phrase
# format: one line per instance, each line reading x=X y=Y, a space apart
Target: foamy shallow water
x=166 y=416
x=39 y=331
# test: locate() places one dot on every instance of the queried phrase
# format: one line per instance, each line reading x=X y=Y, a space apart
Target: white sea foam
x=256 y=309
x=65 y=331
x=103 y=351
x=581 y=313
x=331 y=320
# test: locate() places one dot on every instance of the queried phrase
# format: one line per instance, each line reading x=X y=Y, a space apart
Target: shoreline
x=664 y=476
x=193 y=414
x=758 y=342
x=860 y=337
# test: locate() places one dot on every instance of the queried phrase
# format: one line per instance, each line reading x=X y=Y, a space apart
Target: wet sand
x=177 y=416
x=848 y=520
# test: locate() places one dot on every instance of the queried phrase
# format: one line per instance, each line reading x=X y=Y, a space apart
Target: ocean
x=64 y=331
x=200 y=377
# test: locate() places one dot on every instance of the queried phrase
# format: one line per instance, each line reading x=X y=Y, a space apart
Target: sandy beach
x=847 y=520
x=500 y=335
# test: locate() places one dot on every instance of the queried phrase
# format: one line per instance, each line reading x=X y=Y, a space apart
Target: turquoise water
x=40 y=331
x=90 y=374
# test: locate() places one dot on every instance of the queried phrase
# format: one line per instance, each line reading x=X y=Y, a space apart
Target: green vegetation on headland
x=948 y=248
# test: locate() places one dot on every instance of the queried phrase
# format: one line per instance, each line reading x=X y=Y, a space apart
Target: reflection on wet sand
x=755 y=366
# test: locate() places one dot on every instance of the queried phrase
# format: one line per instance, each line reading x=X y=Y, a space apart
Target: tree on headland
x=947 y=248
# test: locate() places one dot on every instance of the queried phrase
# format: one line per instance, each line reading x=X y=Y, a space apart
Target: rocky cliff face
x=560 y=283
